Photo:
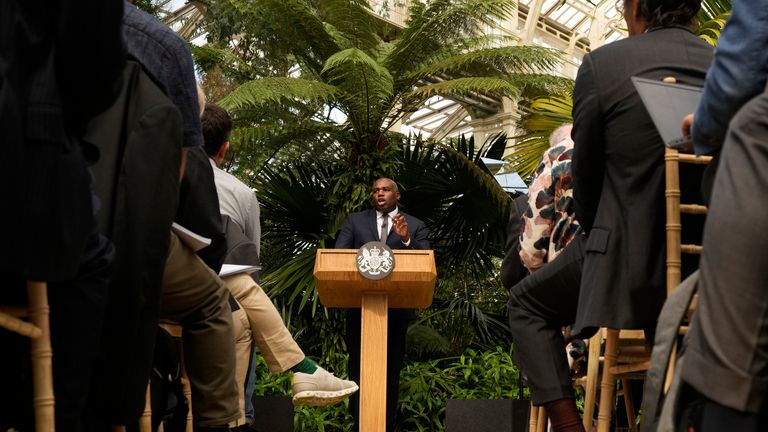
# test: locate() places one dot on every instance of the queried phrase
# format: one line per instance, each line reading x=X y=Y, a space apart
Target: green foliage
x=425 y=387
x=147 y=6
x=255 y=94
x=711 y=29
x=543 y=116
x=712 y=18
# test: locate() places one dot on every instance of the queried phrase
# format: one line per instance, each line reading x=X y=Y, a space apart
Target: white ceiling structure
x=572 y=26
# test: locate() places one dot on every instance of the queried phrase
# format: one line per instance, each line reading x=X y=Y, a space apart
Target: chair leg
x=629 y=404
x=533 y=418
x=608 y=383
x=42 y=369
x=542 y=420
x=145 y=421
x=186 y=386
x=593 y=373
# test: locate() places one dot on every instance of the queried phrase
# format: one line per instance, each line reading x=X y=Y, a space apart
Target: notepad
x=667 y=104
x=233 y=269
x=193 y=240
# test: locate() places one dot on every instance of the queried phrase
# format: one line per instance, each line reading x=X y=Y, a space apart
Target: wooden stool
x=38 y=329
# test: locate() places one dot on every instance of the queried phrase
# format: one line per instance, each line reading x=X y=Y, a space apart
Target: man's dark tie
x=384 y=231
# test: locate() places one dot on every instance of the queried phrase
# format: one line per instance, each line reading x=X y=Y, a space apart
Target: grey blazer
x=618 y=171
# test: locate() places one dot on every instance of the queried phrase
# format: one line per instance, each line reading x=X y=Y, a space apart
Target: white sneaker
x=320 y=388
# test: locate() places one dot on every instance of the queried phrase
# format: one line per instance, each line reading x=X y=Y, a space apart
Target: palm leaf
x=545 y=115
x=710 y=30
x=462 y=204
x=712 y=9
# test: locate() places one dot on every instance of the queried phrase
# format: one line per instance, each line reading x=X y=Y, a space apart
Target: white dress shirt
x=390 y=220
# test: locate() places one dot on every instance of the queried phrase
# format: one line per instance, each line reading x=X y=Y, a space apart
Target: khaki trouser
x=195 y=297
x=271 y=336
x=243 y=350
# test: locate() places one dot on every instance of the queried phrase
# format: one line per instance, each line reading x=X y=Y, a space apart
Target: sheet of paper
x=233 y=269
x=189 y=238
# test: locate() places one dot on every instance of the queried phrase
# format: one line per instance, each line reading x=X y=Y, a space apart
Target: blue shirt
x=738 y=73
x=166 y=58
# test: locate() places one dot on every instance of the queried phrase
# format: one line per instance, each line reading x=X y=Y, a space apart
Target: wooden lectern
x=410 y=285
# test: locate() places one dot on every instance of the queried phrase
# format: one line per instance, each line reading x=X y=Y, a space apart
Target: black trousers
x=397 y=327
x=539 y=306
x=705 y=415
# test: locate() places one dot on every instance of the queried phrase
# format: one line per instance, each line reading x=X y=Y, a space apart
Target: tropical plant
x=712 y=16
x=542 y=117
x=443 y=184
x=426 y=386
x=349 y=65
x=353 y=82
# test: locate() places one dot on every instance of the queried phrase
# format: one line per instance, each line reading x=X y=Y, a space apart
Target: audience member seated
x=192 y=294
x=61 y=64
x=725 y=367
x=312 y=384
x=614 y=275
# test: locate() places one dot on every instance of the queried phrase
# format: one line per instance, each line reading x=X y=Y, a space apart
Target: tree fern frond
x=298 y=27
x=353 y=19
x=366 y=85
x=439 y=24
x=541 y=85
x=464 y=86
x=275 y=89
x=208 y=57
x=493 y=62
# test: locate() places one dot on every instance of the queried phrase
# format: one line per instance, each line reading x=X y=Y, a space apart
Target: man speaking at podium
x=384 y=222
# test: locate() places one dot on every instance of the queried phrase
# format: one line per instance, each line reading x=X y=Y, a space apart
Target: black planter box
x=487 y=415
x=273 y=413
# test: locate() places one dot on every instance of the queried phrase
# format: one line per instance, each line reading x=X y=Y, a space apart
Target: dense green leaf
x=255 y=93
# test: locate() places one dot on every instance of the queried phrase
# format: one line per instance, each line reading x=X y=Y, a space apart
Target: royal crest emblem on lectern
x=375 y=260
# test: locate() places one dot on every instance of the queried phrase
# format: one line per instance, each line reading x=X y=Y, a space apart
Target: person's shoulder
x=232 y=181
x=136 y=22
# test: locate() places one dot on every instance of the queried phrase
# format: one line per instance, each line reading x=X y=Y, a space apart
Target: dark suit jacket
x=618 y=171
x=361 y=228
x=512 y=268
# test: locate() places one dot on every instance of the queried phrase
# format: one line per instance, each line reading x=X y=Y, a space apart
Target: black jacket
x=618 y=172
